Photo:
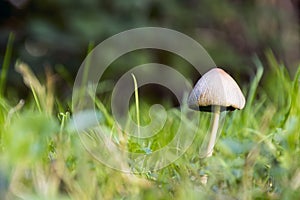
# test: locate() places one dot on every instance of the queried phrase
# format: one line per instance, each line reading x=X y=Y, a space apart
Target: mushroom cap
x=216 y=88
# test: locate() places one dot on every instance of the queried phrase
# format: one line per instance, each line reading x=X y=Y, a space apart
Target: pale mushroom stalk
x=214 y=131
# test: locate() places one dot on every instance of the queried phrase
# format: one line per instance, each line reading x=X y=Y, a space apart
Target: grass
x=6 y=61
x=256 y=155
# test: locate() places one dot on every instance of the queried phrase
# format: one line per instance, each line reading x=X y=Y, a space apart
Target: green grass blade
x=255 y=82
x=137 y=107
x=87 y=65
x=36 y=98
x=103 y=109
x=6 y=62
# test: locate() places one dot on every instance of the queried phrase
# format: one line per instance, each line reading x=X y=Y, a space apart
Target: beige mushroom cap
x=216 y=88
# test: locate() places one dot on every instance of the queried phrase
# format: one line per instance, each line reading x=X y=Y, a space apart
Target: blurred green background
x=57 y=33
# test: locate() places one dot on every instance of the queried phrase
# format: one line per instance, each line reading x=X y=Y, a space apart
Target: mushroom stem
x=214 y=130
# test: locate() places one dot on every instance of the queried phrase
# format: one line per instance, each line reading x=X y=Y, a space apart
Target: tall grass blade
x=137 y=107
x=255 y=82
x=6 y=62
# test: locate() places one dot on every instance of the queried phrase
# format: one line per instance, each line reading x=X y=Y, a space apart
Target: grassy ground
x=256 y=156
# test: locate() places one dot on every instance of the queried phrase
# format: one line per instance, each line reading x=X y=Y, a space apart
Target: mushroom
x=216 y=91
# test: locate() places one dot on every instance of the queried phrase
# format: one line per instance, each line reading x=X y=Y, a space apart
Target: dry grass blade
x=45 y=97
x=50 y=80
